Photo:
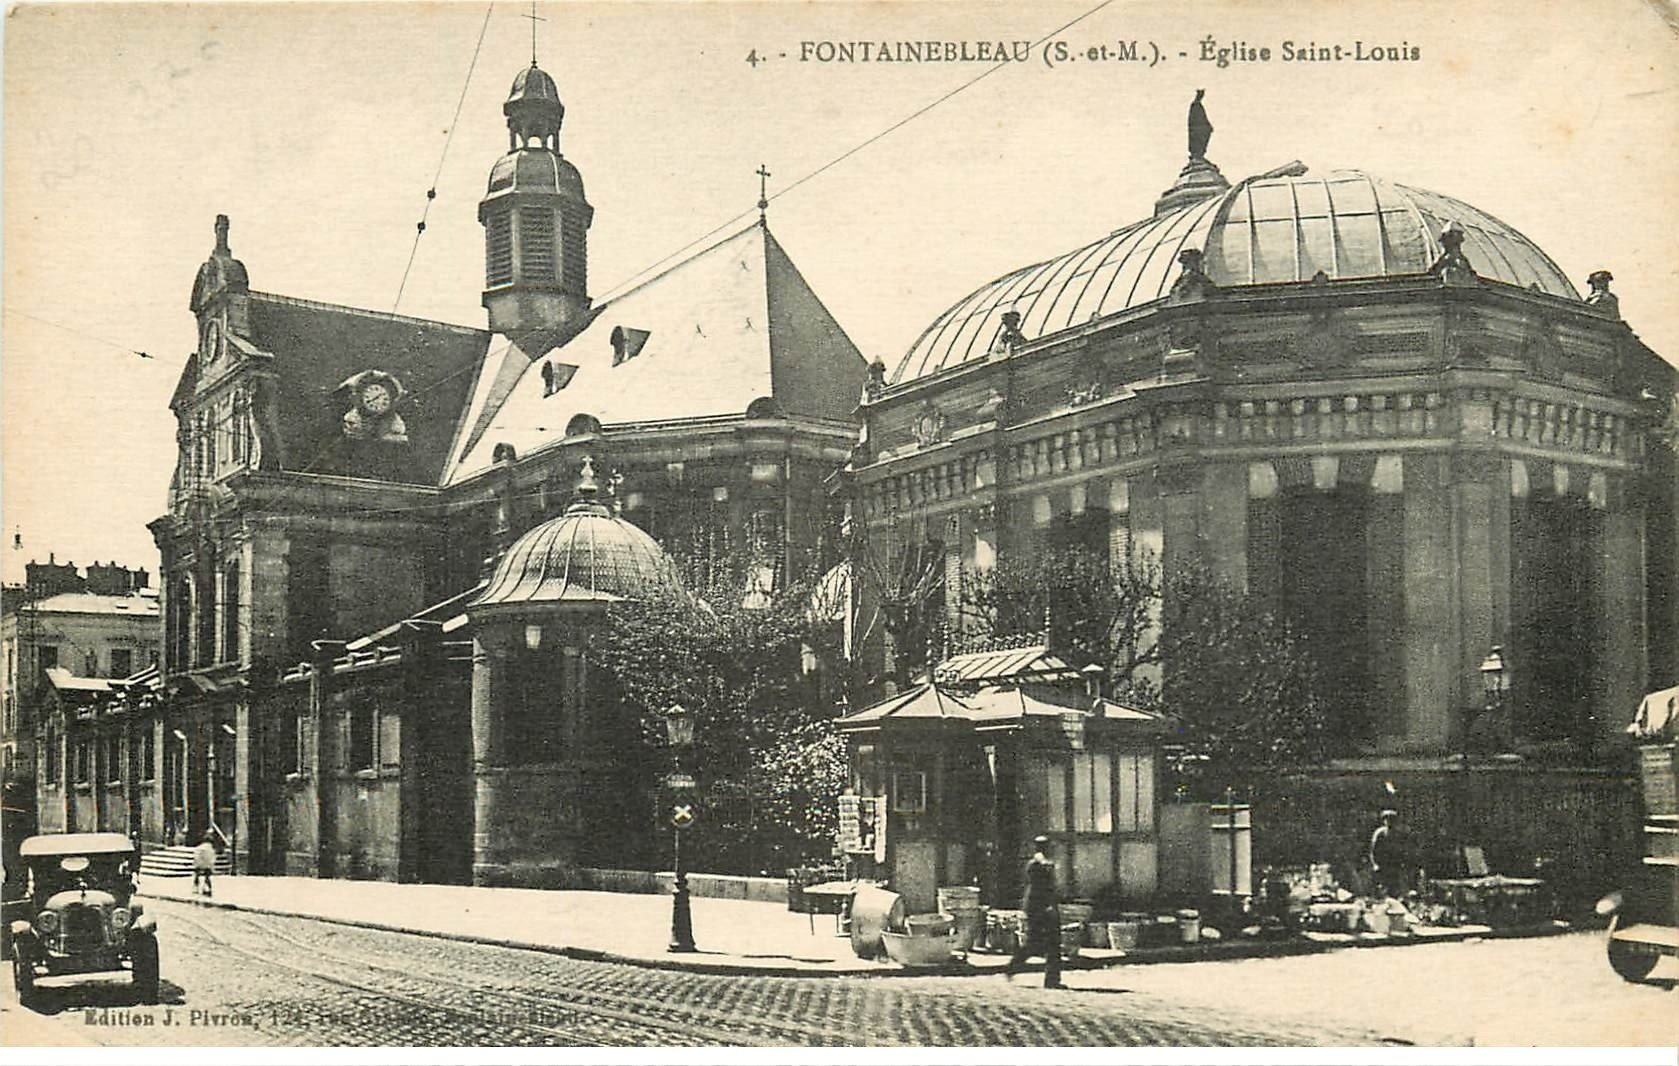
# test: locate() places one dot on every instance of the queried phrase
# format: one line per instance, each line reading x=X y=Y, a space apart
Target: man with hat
x=1387 y=861
x=1040 y=902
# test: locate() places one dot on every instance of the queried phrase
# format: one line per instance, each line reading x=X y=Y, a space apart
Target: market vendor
x=1387 y=858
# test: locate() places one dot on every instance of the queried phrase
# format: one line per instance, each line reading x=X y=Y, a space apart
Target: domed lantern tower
x=536 y=221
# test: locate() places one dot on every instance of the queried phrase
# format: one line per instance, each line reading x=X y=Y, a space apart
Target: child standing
x=204 y=862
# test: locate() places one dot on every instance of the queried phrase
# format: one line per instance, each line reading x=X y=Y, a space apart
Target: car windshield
x=103 y=871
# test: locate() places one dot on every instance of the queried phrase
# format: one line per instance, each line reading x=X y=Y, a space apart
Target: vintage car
x=1644 y=916
x=77 y=914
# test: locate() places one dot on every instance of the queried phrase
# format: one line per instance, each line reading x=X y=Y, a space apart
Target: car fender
x=21 y=929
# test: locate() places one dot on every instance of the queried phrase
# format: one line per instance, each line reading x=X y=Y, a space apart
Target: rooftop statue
x=1200 y=128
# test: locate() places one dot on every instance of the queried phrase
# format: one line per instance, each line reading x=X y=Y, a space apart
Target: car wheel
x=145 y=958
x=23 y=973
x=1630 y=963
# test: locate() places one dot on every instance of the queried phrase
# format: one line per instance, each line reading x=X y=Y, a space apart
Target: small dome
x=533 y=84
x=1271 y=230
x=535 y=170
x=587 y=555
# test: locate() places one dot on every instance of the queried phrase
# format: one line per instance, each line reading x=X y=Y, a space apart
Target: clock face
x=375 y=398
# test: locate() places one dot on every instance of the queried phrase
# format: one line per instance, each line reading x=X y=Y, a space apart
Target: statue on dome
x=1200 y=127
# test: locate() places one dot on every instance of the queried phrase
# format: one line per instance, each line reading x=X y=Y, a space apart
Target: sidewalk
x=734 y=936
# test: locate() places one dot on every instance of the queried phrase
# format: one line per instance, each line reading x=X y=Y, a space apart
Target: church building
x=386 y=535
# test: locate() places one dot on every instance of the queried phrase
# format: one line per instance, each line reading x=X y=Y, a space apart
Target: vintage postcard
x=947 y=525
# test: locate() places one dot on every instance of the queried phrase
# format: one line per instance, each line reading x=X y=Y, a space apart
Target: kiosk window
x=909 y=792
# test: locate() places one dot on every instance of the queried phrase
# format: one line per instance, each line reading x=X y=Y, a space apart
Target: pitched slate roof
x=727 y=326
x=317 y=346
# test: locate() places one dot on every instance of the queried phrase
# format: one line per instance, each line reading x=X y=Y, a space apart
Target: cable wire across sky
x=847 y=154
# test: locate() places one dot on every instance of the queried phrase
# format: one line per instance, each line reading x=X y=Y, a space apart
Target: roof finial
x=763 y=194
x=221 y=234
x=587 y=487
x=1200 y=127
x=534 y=20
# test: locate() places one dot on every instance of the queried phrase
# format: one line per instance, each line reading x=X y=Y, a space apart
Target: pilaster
x=422 y=662
x=1432 y=622
x=1224 y=521
x=1620 y=664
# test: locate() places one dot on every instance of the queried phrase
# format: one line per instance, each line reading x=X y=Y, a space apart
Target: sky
x=318 y=129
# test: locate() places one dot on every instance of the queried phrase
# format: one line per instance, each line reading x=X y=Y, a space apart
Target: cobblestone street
x=232 y=979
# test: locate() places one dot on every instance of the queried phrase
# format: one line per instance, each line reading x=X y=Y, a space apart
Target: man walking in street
x=204 y=862
x=1042 y=935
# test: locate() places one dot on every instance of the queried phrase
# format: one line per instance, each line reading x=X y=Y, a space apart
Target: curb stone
x=1185 y=954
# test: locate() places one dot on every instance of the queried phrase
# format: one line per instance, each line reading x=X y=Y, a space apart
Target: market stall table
x=839 y=891
x=1486 y=898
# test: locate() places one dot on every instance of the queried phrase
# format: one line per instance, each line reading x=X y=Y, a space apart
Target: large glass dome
x=1345 y=223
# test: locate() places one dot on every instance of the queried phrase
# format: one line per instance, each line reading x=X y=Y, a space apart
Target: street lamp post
x=1495 y=690
x=1495 y=685
x=679 y=727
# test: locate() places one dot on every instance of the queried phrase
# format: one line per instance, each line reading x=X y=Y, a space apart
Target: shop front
x=993 y=750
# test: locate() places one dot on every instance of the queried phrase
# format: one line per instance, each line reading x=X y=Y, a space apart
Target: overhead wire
x=848 y=153
x=79 y=333
x=448 y=138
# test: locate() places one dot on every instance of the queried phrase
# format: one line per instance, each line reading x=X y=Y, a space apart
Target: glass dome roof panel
x=1352 y=196
x=1311 y=199
x=1271 y=201
x=1263 y=231
x=1317 y=250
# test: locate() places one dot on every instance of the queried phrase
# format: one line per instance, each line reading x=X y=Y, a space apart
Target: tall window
x=363 y=730
x=179 y=635
x=230 y=612
x=142 y=756
x=204 y=621
x=113 y=758
x=52 y=769
x=1136 y=793
x=84 y=760
x=122 y=662
x=90 y=664
x=47 y=656
x=291 y=743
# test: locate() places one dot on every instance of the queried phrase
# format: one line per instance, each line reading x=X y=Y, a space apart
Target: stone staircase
x=176 y=861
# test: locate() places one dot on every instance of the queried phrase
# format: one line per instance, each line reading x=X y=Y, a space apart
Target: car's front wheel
x=23 y=973
x=1629 y=962
x=144 y=954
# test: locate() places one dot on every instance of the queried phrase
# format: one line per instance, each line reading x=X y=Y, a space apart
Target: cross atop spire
x=535 y=18
x=763 y=194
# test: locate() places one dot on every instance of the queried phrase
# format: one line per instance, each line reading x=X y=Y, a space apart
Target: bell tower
x=536 y=221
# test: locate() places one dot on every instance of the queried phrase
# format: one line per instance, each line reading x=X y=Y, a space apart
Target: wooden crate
x=1658 y=766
